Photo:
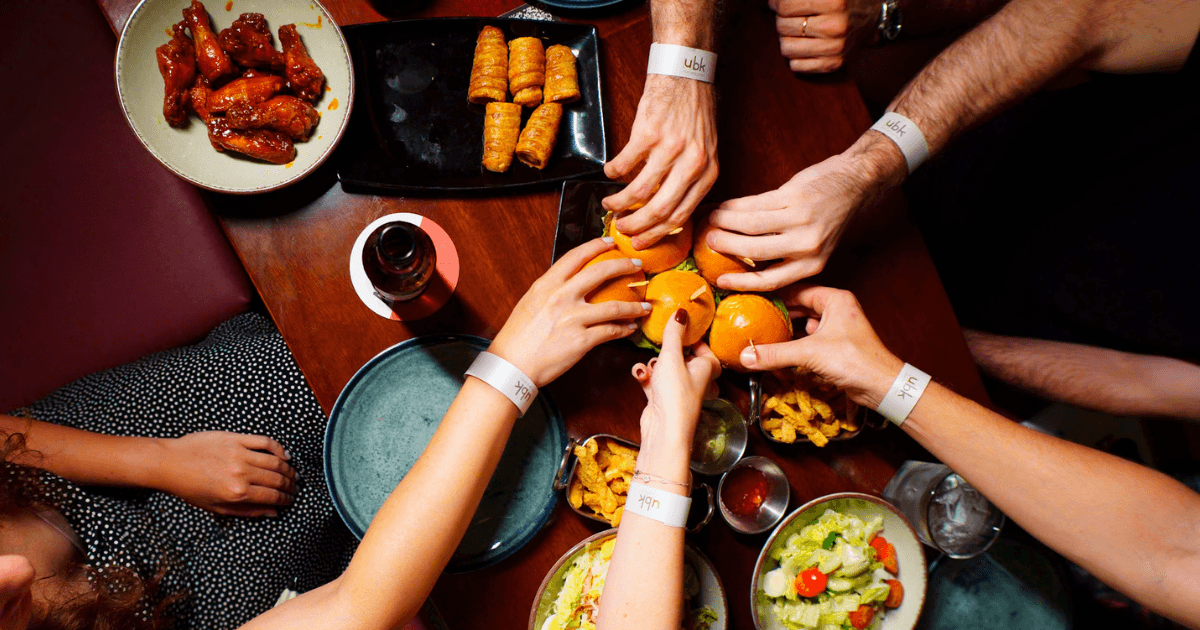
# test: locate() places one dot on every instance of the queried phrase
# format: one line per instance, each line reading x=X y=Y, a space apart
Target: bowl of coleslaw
x=569 y=597
x=845 y=560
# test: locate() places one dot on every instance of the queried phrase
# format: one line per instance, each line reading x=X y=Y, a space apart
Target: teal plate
x=386 y=416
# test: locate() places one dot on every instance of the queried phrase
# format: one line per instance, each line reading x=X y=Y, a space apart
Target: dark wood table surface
x=295 y=245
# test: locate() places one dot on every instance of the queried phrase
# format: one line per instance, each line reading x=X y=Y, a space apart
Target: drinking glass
x=947 y=512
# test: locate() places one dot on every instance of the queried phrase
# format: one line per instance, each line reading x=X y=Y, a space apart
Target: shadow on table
x=277 y=202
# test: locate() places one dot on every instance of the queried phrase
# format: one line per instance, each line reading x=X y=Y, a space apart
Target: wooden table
x=295 y=245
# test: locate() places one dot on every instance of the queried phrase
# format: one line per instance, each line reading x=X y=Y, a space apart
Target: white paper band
x=906 y=135
x=681 y=61
x=903 y=396
x=665 y=507
x=505 y=378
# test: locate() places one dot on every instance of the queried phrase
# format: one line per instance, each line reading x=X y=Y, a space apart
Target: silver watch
x=889 y=20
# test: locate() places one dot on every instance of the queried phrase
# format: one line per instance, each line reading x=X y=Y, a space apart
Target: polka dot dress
x=241 y=378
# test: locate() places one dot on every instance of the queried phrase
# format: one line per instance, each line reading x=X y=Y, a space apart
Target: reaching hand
x=841 y=345
x=553 y=326
x=229 y=473
x=800 y=222
x=675 y=135
x=817 y=35
x=674 y=386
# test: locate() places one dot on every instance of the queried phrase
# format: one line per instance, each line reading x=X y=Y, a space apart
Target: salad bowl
x=896 y=529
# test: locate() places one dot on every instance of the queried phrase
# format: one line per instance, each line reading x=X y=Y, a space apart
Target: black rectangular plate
x=580 y=215
x=413 y=129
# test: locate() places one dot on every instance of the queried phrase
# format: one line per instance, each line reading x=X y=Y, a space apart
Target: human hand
x=802 y=221
x=817 y=35
x=675 y=136
x=674 y=386
x=841 y=345
x=228 y=473
x=553 y=326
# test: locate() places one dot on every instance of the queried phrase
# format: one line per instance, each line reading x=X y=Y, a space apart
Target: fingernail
x=273 y=514
x=631 y=326
x=749 y=357
x=286 y=455
x=681 y=316
x=607 y=239
x=637 y=261
x=646 y=306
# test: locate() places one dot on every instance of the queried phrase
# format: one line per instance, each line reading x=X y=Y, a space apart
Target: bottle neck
x=398 y=246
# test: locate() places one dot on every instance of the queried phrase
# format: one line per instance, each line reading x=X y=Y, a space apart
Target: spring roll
x=489 y=71
x=501 y=125
x=537 y=140
x=562 y=81
x=526 y=70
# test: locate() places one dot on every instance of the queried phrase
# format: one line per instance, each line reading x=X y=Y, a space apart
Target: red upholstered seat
x=105 y=256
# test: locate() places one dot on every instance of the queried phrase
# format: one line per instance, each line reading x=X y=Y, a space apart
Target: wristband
x=668 y=508
x=506 y=379
x=906 y=135
x=681 y=61
x=903 y=396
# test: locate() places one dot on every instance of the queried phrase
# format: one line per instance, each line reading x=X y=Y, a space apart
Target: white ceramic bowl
x=187 y=152
x=712 y=591
x=896 y=529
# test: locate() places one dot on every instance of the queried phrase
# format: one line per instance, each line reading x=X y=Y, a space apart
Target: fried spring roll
x=489 y=71
x=562 y=81
x=526 y=70
x=537 y=140
x=501 y=125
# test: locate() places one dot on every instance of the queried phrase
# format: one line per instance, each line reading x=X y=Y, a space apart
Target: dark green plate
x=387 y=414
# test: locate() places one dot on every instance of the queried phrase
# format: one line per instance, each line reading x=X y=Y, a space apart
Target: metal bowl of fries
x=597 y=482
x=792 y=406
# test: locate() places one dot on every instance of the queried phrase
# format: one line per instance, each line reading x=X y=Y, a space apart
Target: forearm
x=644 y=587
x=88 y=458
x=1087 y=376
x=684 y=22
x=1133 y=528
x=414 y=534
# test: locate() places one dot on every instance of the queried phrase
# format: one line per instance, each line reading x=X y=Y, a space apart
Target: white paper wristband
x=903 y=396
x=665 y=507
x=906 y=135
x=505 y=378
x=681 y=61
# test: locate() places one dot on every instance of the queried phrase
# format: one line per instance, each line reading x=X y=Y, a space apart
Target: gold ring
x=804 y=26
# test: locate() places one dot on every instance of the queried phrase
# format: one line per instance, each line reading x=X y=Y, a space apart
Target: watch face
x=890 y=28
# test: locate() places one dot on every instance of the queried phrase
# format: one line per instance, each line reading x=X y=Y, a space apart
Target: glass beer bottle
x=400 y=260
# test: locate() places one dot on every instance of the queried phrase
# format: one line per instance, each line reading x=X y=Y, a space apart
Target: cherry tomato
x=895 y=594
x=811 y=582
x=862 y=617
x=885 y=552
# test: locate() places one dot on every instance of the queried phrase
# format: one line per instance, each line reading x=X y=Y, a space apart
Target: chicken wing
x=177 y=64
x=214 y=64
x=248 y=42
x=285 y=114
x=262 y=144
x=304 y=78
x=241 y=92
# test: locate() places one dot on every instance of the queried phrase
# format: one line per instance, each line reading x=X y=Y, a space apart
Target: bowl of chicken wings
x=236 y=96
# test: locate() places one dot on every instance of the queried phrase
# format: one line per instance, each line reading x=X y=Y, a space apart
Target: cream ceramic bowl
x=910 y=555
x=187 y=152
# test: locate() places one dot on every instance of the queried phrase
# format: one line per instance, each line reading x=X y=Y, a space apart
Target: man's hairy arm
x=684 y=22
x=1114 y=382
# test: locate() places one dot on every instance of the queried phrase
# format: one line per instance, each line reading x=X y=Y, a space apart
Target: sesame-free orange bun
x=617 y=289
x=742 y=318
x=668 y=252
x=713 y=264
x=667 y=293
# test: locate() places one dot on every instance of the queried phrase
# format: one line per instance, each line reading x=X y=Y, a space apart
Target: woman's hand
x=553 y=326
x=228 y=473
x=675 y=386
x=841 y=346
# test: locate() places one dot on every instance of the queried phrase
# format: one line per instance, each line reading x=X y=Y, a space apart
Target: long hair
x=117 y=598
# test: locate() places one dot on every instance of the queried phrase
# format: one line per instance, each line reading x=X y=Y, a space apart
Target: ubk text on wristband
x=665 y=507
x=903 y=396
x=906 y=135
x=681 y=61
x=505 y=378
